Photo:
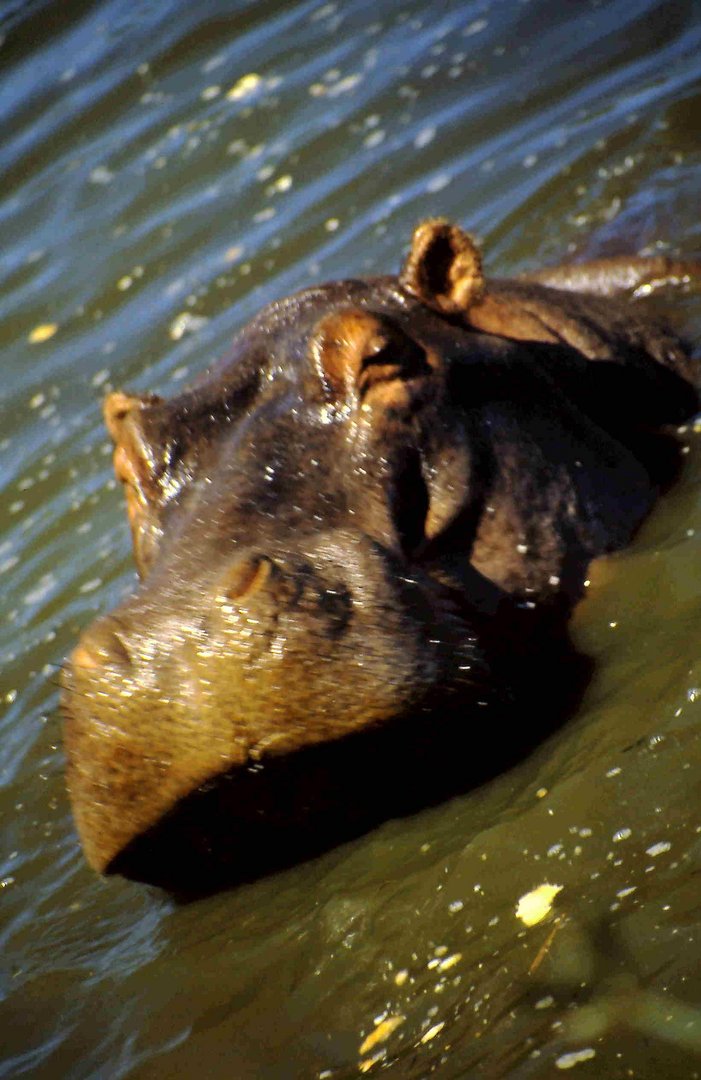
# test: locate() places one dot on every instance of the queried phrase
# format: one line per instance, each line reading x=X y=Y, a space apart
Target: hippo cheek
x=282 y=636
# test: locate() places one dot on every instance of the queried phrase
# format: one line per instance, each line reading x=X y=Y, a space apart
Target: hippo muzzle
x=275 y=654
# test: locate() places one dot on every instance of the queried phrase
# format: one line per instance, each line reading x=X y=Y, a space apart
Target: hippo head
x=334 y=529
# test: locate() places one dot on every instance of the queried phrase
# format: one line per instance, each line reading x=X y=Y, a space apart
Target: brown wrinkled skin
x=358 y=536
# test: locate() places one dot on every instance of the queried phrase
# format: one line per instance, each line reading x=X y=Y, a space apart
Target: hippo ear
x=443 y=268
x=139 y=463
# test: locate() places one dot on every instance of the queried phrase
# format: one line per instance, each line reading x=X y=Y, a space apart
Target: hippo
x=359 y=538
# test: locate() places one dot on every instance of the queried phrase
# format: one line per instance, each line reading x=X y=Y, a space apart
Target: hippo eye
x=409 y=502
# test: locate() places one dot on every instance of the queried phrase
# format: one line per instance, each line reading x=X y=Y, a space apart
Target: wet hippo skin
x=359 y=538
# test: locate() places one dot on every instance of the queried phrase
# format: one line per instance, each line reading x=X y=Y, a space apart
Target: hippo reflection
x=358 y=538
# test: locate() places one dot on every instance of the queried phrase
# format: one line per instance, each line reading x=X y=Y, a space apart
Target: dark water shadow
x=254 y=821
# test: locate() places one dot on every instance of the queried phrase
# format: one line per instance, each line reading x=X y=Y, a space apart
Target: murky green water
x=153 y=198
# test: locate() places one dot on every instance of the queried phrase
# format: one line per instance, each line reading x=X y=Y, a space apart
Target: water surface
x=167 y=169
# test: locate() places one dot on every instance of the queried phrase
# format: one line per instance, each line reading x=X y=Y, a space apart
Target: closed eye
x=409 y=502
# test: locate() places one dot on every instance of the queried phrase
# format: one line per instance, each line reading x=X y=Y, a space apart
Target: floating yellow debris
x=365 y=1066
x=246 y=85
x=449 y=961
x=283 y=183
x=401 y=977
x=536 y=904
x=432 y=1032
x=42 y=332
x=383 y=1031
x=185 y=323
x=568 y=1061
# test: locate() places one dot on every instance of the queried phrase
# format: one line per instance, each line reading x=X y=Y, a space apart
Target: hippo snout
x=102 y=646
x=277 y=654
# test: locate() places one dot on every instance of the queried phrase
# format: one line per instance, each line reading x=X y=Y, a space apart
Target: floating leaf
x=43 y=332
x=246 y=86
x=383 y=1031
x=536 y=904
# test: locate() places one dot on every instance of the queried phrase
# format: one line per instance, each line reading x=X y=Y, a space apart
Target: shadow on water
x=254 y=821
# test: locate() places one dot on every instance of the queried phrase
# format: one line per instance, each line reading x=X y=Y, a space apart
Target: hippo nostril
x=246 y=577
x=102 y=647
